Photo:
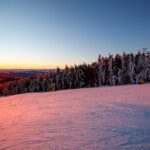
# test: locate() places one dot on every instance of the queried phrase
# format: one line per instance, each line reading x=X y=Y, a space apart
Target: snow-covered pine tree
x=101 y=72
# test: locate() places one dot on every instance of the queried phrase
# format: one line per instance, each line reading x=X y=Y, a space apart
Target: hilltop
x=115 y=117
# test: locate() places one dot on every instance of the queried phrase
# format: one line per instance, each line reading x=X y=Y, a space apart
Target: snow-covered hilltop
x=91 y=119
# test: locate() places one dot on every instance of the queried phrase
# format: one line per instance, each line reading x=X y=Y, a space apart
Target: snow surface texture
x=82 y=119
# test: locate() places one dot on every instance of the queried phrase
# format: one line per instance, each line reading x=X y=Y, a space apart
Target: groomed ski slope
x=108 y=118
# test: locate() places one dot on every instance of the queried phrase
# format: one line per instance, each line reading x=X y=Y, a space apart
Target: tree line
x=120 y=69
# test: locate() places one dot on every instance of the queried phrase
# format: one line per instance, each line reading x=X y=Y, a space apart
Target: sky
x=39 y=34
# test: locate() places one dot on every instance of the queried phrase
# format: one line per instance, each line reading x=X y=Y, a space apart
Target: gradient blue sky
x=47 y=33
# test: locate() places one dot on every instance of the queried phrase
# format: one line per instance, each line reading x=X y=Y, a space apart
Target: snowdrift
x=92 y=119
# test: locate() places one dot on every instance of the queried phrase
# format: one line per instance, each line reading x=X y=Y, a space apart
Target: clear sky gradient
x=50 y=33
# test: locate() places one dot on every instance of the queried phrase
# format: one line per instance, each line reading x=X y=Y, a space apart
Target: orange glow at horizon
x=29 y=66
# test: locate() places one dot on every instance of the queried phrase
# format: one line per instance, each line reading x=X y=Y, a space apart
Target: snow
x=82 y=119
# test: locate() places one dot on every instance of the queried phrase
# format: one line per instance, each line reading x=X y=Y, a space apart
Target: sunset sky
x=49 y=33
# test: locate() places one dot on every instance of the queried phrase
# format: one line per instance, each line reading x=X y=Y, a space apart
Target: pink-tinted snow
x=82 y=119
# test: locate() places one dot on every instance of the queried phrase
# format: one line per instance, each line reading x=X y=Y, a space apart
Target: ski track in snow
x=82 y=119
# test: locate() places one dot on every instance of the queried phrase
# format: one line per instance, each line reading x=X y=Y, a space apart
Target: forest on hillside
x=120 y=69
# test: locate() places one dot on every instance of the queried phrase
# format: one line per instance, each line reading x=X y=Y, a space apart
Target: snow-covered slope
x=82 y=119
